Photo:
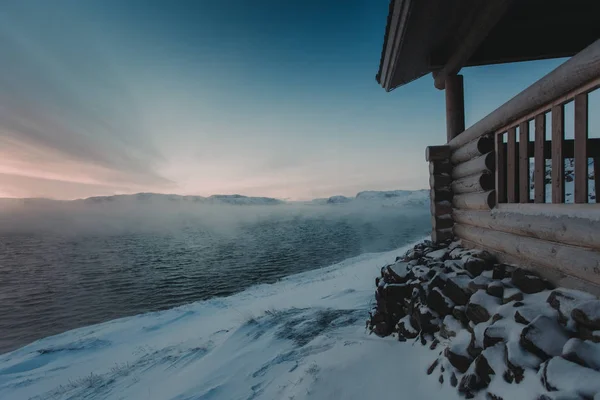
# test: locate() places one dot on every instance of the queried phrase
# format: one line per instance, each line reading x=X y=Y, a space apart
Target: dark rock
x=528 y=282
x=479 y=283
x=566 y=301
x=475 y=266
x=477 y=313
x=544 y=337
x=424 y=320
x=455 y=292
x=518 y=304
x=511 y=294
x=588 y=314
x=495 y=289
x=492 y=396
x=583 y=352
x=432 y=367
x=494 y=334
x=479 y=377
x=397 y=292
x=473 y=349
x=434 y=344
x=438 y=281
x=458 y=361
x=586 y=333
x=499 y=272
x=459 y=314
x=439 y=303
x=560 y=374
x=441 y=379
x=398 y=273
x=453 y=380
x=406 y=329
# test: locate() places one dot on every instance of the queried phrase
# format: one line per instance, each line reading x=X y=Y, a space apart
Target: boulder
x=544 y=337
x=564 y=375
x=399 y=272
x=481 y=307
x=456 y=289
x=456 y=352
x=565 y=301
x=479 y=283
x=475 y=266
x=583 y=352
x=499 y=272
x=405 y=328
x=511 y=294
x=458 y=312
x=495 y=289
x=441 y=254
x=588 y=314
x=450 y=327
x=477 y=377
x=527 y=282
x=439 y=303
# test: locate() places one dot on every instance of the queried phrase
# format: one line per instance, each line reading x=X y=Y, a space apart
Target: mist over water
x=68 y=265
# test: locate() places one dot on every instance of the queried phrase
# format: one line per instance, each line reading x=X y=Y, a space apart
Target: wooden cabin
x=489 y=182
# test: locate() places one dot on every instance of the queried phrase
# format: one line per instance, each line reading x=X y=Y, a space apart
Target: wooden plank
x=441 y=181
x=440 y=167
x=475 y=201
x=593 y=148
x=455 y=106
x=487 y=19
x=440 y=208
x=480 y=182
x=512 y=176
x=442 y=235
x=539 y=171
x=558 y=278
x=566 y=229
x=486 y=162
x=476 y=148
x=442 y=222
x=581 y=158
x=575 y=72
x=523 y=162
x=577 y=261
x=558 y=159
x=597 y=178
x=500 y=169
x=437 y=153
x=440 y=195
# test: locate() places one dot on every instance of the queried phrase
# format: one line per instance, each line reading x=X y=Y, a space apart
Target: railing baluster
x=512 y=179
x=558 y=159
x=539 y=173
x=523 y=162
x=581 y=159
x=500 y=169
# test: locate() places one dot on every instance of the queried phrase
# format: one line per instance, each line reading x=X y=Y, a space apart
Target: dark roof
x=421 y=35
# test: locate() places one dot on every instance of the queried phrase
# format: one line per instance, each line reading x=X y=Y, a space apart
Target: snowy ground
x=303 y=337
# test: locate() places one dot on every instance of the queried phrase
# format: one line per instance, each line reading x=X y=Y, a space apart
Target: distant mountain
x=385 y=198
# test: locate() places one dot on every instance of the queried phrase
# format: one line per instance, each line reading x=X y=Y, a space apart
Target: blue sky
x=272 y=98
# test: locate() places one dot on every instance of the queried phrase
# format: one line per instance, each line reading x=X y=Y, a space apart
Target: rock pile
x=492 y=320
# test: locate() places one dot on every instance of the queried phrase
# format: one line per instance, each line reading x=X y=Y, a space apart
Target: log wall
x=481 y=180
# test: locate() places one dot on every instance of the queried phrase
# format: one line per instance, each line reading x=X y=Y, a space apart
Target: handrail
x=575 y=72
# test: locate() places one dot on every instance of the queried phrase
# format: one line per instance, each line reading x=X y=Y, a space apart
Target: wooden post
x=500 y=169
x=455 y=106
x=539 y=172
x=512 y=167
x=558 y=159
x=523 y=162
x=441 y=193
x=581 y=157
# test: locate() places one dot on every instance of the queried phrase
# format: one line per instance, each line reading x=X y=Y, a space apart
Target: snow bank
x=303 y=337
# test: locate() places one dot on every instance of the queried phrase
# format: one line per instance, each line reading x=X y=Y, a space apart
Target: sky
x=263 y=98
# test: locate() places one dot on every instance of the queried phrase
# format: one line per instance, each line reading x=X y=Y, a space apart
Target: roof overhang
x=423 y=36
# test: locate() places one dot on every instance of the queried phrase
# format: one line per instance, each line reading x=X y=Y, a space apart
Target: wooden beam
x=441 y=222
x=441 y=181
x=500 y=169
x=523 y=162
x=557 y=277
x=472 y=149
x=597 y=179
x=561 y=228
x=512 y=167
x=455 y=106
x=558 y=157
x=481 y=182
x=442 y=235
x=440 y=195
x=539 y=171
x=581 y=158
x=577 y=261
x=575 y=72
x=475 y=201
x=437 y=153
x=440 y=208
x=440 y=167
x=486 y=162
x=483 y=24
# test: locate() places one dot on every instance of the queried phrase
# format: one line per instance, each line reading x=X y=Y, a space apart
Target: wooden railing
x=481 y=179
